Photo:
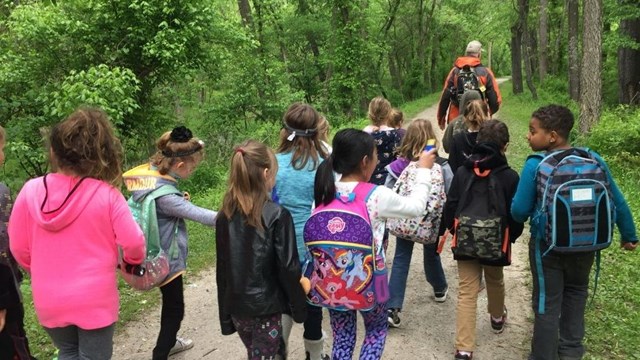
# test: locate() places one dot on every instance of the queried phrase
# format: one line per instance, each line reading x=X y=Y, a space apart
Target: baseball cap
x=474 y=47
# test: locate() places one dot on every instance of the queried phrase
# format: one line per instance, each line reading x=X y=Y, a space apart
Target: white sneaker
x=181 y=345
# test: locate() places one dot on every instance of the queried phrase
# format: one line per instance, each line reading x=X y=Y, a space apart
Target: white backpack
x=424 y=228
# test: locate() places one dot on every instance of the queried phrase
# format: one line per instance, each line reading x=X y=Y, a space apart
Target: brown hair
x=379 y=111
x=475 y=113
x=85 y=144
x=323 y=129
x=176 y=146
x=414 y=141
x=494 y=131
x=397 y=118
x=300 y=135
x=248 y=189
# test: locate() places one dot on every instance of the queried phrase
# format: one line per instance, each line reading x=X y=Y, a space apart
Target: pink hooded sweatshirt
x=68 y=240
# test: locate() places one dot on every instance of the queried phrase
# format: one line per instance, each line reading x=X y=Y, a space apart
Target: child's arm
x=524 y=201
x=222 y=241
x=289 y=273
x=515 y=227
x=453 y=197
x=392 y=205
x=178 y=206
x=127 y=231
x=624 y=217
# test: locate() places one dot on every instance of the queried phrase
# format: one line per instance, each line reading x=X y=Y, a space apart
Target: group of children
x=69 y=228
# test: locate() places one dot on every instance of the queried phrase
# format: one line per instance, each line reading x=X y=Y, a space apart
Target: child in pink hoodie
x=65 y=230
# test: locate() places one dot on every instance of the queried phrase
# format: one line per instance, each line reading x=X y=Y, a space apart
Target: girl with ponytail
x=257 y=268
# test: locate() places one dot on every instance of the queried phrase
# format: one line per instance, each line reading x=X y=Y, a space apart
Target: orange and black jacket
x=486 y=77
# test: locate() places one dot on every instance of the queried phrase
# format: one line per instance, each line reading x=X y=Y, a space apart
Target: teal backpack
x=155 y=268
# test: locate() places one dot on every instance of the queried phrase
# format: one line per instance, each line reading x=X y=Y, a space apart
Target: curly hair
x=85 y=144
x=556 y=118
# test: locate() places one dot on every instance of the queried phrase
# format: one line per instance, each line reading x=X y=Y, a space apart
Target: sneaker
x=181 y=345
x=322 y=357
x=441 y=296
x=461 y=356
x=393 y=318
x=498 y=326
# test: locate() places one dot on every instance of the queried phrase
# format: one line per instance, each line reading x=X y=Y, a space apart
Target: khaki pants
x=469 y=273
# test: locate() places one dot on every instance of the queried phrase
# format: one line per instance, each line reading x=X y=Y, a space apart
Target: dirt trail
x=427 y=330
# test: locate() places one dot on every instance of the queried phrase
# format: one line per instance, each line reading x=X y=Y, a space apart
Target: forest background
x=229 y=69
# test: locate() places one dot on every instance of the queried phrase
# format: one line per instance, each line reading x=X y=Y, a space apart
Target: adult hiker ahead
x=468 y=74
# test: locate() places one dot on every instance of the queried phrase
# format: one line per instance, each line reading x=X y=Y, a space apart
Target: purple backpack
x=347 y=271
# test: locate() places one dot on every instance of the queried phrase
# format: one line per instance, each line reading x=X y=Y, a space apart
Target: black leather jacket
x=258 y=272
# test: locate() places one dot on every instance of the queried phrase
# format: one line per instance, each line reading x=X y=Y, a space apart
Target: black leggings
x=170 y=318
x=313 y=324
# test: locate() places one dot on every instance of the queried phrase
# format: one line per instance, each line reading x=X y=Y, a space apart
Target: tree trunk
x=590 y=79
x=574 y=58
x=516 y=58
x=245 y=12
x=629 y=64
x=543 y=39
x=527 y=49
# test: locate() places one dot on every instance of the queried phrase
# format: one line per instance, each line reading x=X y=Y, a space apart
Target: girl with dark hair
x=354 y=156
x=178 y=154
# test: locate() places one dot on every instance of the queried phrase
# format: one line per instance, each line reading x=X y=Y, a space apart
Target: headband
x=298 y=132
x=182 y=134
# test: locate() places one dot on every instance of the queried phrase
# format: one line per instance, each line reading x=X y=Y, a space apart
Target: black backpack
x=466 y=80
x=481 y=219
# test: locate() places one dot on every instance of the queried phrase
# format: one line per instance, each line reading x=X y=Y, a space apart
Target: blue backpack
x=346 y=271
x=576 y=212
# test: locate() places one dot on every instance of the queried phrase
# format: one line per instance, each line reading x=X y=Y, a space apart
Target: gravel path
x=427 y=330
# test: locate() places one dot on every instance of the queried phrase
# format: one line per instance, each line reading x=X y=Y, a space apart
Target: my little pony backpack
x=347 y=272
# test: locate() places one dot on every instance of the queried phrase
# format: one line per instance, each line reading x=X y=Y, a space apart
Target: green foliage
x=113 y=90
x=617 y=132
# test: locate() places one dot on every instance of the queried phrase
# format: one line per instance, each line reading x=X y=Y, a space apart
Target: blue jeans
x=400 y=269
x=560 y=330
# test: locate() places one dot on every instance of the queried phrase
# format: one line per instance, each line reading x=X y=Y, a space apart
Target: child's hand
x=427 y=158
x=187 y=196
x=3 y=315
x=629 y=246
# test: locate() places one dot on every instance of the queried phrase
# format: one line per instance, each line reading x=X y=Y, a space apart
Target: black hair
x=556 y=118
x=494 y=131
x=350 y=146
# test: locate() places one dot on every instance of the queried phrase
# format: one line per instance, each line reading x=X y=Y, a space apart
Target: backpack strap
x=149 y=201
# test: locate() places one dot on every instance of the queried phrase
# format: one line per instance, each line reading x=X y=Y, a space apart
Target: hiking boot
x=461 y=356
x=393 y=318
x=498 y=325
x=441 y=296
x=181 y=345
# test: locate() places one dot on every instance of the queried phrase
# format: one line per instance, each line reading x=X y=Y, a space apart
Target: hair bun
x=181 y=134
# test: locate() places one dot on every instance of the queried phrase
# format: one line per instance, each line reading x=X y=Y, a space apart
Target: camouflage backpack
x=481 y=221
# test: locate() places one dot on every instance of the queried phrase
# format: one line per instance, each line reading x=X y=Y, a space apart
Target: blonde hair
x=414 y=141
x=176 y=146
x=476 y=112
x=397 y=118
x=85 y=144
x=379 y=111
x=302 y=121
x=248 y=189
